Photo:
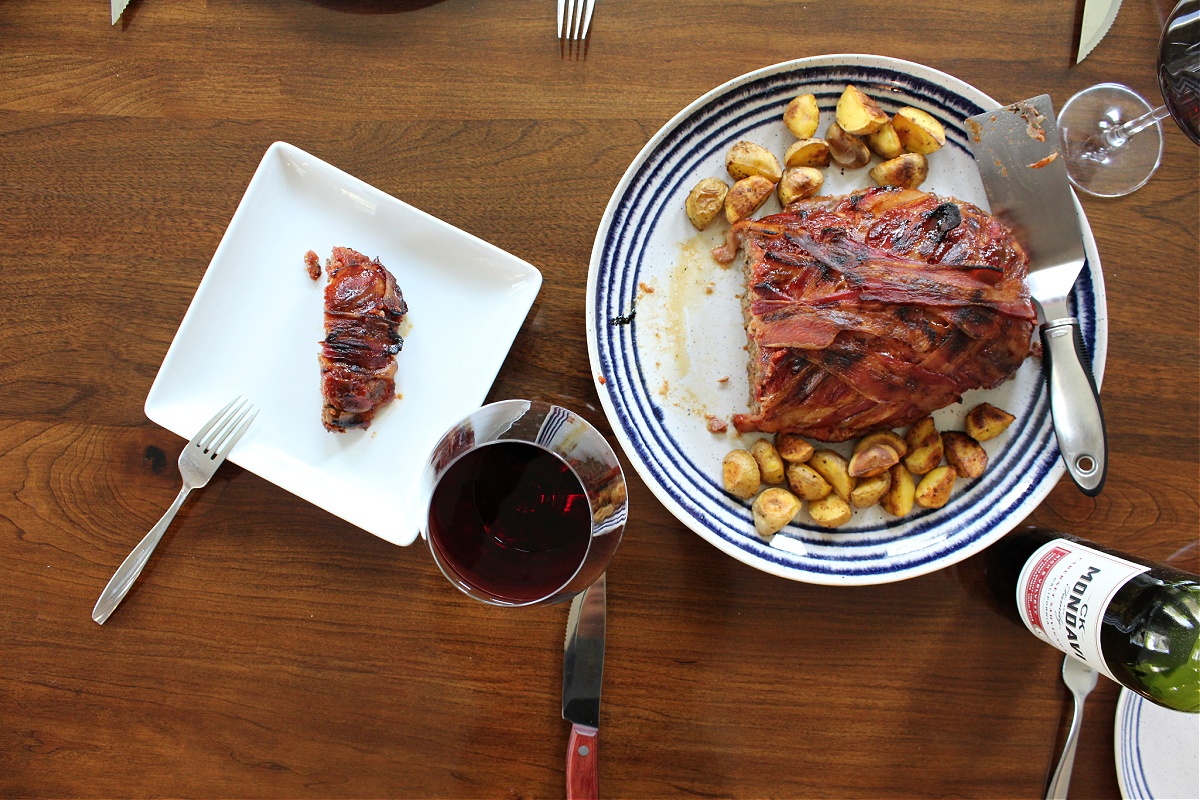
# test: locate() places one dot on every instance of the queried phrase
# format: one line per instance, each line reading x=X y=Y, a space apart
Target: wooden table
x=273 y=650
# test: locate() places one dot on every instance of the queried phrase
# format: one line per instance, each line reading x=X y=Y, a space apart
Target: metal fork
x=574 y=20
x=198 y=462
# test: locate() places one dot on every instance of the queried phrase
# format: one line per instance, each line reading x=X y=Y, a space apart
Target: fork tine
x=588 y=7
x=223 y=424
x=577 y=20
x=217 y=446
x=562 y=7
x=220 y=415
x=231 y=439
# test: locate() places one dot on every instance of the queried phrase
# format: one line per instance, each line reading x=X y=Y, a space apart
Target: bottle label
x=1063 y=591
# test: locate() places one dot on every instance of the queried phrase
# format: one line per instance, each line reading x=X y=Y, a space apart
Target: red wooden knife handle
x=583 y=774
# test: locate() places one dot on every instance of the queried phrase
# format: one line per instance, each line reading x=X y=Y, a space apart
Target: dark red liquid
x=511 y=520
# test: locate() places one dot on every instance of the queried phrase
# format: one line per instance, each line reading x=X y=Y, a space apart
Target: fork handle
x=1066 y=762
x=132 y=566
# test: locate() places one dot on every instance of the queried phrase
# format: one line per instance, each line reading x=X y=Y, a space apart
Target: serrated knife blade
x=583 y=671
x=118 y=8
x=1098 y=16
x=1016 y=150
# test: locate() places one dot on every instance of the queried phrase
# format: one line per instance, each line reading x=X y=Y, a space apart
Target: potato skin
x=746 y=197
x=918 y=131
x=885 y=143
x=869 y=491
x=831 y=466
x=873 y=460
x=774 y=509
x=793 y=447
x=907 y=171
x=799 y=183
x=965 y=454
x=770 y=465
x=807 y=153
x=802 y=116
x=705 y=201
x=890 y=438
x=845 y=148
x=806 y=482
x=830 y=511
x=745 y=159
x=934 y=489
x=925 y=447
x=985 y=422
x=899 y=497
x=739 y=472
x=857 y=113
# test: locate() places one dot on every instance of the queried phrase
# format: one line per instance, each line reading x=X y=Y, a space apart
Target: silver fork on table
x=1080 y=679
x=199 y=460
x=574 y=20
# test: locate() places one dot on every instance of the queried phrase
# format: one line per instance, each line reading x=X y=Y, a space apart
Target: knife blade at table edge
x=1098 y=16
x=583 y=670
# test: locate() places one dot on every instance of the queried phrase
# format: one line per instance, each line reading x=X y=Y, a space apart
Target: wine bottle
x=1135 y=621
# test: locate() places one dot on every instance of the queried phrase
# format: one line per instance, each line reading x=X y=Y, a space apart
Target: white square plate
x=255 y=324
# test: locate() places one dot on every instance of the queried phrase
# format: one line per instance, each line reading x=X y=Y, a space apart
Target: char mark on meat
x=872 y=310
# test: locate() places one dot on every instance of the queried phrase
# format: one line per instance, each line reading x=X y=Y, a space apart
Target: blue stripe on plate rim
x=1024 y=470
x=1130 y=768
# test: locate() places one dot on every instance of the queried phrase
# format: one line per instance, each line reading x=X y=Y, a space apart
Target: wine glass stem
x=1115 y=137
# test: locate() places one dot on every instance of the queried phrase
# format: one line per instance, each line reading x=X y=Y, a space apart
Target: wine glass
x=1110 y=136
x=525 y=504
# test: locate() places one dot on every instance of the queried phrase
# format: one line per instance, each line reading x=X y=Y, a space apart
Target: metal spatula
x=1016 y=149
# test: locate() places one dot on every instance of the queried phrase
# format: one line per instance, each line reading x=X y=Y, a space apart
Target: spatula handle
x=583 y=768
x=1075 y=405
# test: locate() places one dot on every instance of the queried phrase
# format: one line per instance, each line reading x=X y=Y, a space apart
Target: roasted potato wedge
x=807 y=153
x=747 y=196
x=869 y=491
x=890 y=438
x=934 y=489
x=830 y=511
x=705 y=201
x=985 y=421
x=922 y=433
x=802 y=116
x=924 y=459
x=898 y=499
x=806 y=482
x=846 y=148
x=918 y=131
x=739 y=471
x=873 y=460
x=770 y=465
x=831 y=466
x=858 y=113
x=745 y=159
x=964 y=454
x=793 y=447
x=773 y=509
x=799 y=183
x=907 y=171
x=884 y=142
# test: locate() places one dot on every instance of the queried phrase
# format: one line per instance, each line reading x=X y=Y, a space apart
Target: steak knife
x=1016 y=149
x=583 y=667
x=1098 y=16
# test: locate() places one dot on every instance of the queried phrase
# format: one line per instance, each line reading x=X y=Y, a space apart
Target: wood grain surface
x=272 y=650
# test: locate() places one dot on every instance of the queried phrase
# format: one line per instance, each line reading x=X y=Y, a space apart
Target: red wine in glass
x=512 y=520
x=525 y=503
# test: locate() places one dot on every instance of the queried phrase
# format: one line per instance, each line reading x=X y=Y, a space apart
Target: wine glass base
x=1094 y=164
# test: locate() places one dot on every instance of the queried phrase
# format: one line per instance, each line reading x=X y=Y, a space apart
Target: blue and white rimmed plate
x=667 y=344
x=1157 y=750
